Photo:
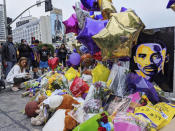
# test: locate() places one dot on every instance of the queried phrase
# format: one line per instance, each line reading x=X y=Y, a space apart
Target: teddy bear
x=61 y=120
x=70 y=123
x=40 y=118
x=67 y=102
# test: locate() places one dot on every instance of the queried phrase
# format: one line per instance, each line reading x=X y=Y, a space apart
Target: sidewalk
x=11 y=117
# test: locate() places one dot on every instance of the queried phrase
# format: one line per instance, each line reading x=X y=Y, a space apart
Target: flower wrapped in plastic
x=118 y=77
x=96 y=95
x=94 y=123
x=79 y=87
x=57 y=81
x=127 y=122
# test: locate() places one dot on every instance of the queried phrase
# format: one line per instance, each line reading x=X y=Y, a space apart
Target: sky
x=152 y=12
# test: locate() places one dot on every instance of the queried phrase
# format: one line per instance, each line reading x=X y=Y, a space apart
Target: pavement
x=12 y=106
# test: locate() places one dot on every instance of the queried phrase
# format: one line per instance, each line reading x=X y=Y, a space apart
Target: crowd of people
x=18 y=62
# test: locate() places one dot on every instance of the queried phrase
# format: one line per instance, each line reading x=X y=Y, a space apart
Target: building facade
x=2 y=24
x=47 y=29
x=29 y=27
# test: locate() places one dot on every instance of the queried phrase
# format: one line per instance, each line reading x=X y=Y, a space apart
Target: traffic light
x=9 y=28
x=48 y=5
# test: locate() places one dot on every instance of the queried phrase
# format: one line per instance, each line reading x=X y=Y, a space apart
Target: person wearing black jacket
x=62 y=53
x=9 y=55
x=25 y=51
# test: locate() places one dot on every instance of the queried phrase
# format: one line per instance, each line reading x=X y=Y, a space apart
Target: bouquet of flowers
x=96 y=95
x=56 y=82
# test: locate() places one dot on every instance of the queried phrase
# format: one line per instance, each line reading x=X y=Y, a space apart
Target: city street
x=11 y=112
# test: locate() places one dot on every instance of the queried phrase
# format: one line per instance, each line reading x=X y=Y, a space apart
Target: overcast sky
x=152 y=12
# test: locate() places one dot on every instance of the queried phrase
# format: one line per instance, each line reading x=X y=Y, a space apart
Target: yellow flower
x=49 y=92
x=108 y=83
x=50 y=86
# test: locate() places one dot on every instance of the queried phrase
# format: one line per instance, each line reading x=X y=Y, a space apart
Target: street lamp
x=5 y=15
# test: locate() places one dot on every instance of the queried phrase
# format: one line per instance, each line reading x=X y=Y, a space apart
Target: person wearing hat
x=9 y=55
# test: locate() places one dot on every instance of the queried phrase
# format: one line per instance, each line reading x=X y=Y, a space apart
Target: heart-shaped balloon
x=53 y=62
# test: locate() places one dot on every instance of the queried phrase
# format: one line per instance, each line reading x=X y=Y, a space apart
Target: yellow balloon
x=100 y=73
x=99 y=2
x=71 y=74
x=120 y=33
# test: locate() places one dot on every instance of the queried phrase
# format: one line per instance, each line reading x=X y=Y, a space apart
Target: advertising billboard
x=57 y=29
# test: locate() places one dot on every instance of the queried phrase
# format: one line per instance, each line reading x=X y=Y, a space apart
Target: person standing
x=44 y=54
x=62 y=53
x=9 y=55
x=25 y=51
x=35 y=58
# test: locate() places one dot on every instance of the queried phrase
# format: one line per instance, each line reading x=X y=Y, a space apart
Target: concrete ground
x=11 y=112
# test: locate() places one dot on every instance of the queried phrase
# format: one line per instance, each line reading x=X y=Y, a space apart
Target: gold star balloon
x=100 y=1
x=107 y=8
x=173 y=7
x=120 y=33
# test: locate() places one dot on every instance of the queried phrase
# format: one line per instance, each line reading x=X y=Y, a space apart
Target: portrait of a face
x=153 y=57
x=150 y=59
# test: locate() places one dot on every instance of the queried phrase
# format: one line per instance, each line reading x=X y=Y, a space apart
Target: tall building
x=29 y=27
x=47 y=29
x=2 y=24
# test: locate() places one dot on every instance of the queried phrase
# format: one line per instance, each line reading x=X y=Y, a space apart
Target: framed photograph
x=116 y=104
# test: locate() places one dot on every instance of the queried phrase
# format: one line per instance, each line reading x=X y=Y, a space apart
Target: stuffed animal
x=60 y=121
x=30 y=108
x=67 y=102
x=41 y=99
x=40 y=118
x=70 y=123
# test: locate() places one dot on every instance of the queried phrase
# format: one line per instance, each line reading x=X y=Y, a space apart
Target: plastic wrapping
x=100 y=73
x=78 y=87
x=97 y=93
x=118 y=77
x=139 y=84
x=90 y=125
x=125 y=122
x=117 y=104
x=79 y=114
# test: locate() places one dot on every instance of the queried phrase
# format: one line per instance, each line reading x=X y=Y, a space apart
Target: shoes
x=15 y=88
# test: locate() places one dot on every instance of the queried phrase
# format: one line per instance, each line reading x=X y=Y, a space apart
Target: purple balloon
x=170 y=3
x=91 y=28
x=123 y=9
x=74 y=58
x=71 y=24
x=91 y=5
